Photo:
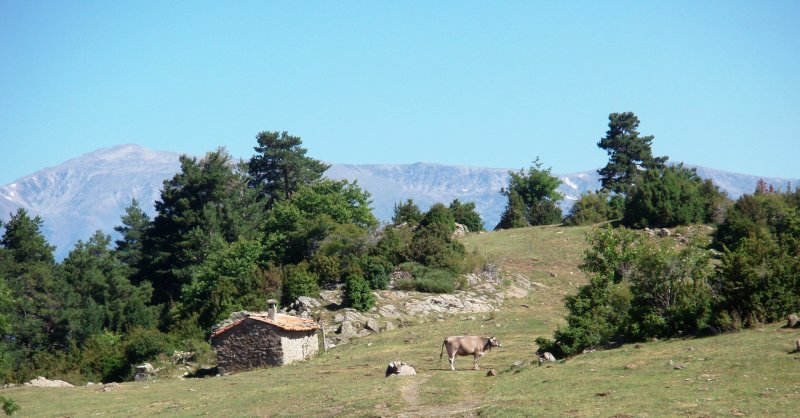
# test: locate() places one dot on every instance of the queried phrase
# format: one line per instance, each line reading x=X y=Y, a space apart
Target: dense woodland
x=226 y=237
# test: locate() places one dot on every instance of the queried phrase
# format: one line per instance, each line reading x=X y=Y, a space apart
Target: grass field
x=749 y=373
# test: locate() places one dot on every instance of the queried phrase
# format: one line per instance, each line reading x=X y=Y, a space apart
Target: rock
x=791 y=321
x=182 y=357
x=518 y=364
x=364 y=332
x=549 y=357
x=491 y=373
x=630 y=366
x=679 y=366
x=43 y=382
x=468 y=318
x=372 y=325
x=663 y=232
x=145 y=368
x=460 y=231
x=389 y=326
x=109 y=387
x=306 y=302
x=347 y=330
x=399 y=368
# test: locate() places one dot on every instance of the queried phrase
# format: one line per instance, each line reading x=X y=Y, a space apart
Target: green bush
x=757 y=278
x=433 y=246
x=9 y=406
x=298 y=281
x=669 y=197
x=103 y=358
x=638 y=289
x=429 y=280
x=143 y=344
x=357 y=293
x=465 y=214
x=594 y=208
x=377 y=270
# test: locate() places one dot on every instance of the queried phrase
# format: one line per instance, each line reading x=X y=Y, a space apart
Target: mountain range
x=91 y=192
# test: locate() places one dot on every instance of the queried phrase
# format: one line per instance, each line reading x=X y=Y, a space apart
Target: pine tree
x=281 y=166
x=134 y=227
x=629 y=153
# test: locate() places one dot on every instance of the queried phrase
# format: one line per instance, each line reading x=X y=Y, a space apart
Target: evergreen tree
x=204 y=206
x=37 y=323
x=281 y=166
x=514 y=215
x=465 y=214
x=134 y=227
x=669 y=197
x=537 y=191
x=629 y=153
x=408 y=213
x=104 y=298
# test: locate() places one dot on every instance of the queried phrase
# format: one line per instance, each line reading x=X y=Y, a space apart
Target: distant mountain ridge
x=91 y=192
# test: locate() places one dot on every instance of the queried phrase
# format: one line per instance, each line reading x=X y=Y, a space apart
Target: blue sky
x=492 y=84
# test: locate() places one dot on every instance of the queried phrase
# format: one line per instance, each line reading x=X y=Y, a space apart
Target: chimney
x=271 y=309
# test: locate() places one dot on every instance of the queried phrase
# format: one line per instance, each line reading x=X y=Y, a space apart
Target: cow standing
x=464 y=346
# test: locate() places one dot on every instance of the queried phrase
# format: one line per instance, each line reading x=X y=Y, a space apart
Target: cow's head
x=494 y=342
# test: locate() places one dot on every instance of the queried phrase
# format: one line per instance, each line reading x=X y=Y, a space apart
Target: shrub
x=298 y=281
x=9 y=406
x=594 y=208
x=377 y=270
x=103 y=358
x=465 y=214
x=669 y=197
x=357 y=293
x=142 y=344
x=637 y=289
x=433 y=246
x=429 y=280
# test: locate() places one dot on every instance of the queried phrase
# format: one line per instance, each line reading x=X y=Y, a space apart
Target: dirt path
x=410 y=395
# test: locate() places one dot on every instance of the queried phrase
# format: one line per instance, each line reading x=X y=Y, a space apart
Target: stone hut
x=263 y=339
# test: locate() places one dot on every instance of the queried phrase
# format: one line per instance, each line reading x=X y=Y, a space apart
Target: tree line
x=225 y=237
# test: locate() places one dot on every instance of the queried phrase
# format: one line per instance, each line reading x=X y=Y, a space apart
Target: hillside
x=92 y=191
x=748 y=373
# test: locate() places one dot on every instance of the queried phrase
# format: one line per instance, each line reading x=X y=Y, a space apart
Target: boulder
x=399 y=368
x=43 y=382
x=460 y=231
x=791 y=320
x=347 y=330
x=491 y=373
x=182 y=357
x=372 y=325
x=549 y=357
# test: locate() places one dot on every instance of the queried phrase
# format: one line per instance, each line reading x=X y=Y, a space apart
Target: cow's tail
x=442 y=351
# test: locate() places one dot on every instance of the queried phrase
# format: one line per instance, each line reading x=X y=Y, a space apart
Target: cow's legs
x=475 y=362
x=452 y=362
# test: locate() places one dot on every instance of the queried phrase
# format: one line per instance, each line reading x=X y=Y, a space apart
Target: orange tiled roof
x=286 y=322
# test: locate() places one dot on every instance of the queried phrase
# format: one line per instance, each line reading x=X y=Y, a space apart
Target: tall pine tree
x=629 y=153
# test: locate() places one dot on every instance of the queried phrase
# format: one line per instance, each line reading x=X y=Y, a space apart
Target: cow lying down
x=467 y=345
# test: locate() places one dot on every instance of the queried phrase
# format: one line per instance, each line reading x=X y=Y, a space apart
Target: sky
x=487 y=84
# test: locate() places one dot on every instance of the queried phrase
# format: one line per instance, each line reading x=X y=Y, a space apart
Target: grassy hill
x=750 y=373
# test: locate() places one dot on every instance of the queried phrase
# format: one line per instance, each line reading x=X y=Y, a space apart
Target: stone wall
x=252 y=344
x=298 y=345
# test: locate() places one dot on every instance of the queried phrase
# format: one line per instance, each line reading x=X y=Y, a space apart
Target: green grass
x=750 y=373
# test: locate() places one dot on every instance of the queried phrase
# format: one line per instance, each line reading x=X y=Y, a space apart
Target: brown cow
x=464 y=346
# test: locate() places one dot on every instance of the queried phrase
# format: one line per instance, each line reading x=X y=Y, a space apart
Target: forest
x=229 y=235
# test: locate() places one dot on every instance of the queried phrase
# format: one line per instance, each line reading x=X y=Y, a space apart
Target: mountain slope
x=92 y=191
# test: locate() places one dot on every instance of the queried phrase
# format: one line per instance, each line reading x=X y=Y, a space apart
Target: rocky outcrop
x=43 y=382
x=485 y=292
